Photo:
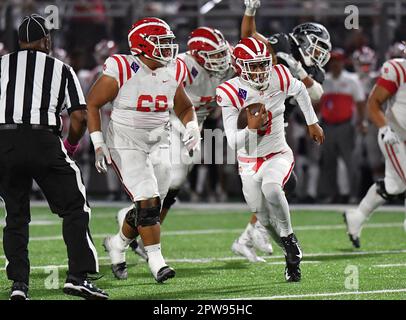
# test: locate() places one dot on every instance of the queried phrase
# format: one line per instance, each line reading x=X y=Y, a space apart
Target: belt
x=31 y=126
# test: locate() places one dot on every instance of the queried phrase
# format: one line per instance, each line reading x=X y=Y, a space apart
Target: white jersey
x=145 y=96
x=393 y=78
x=235 y=94
x=200 y=85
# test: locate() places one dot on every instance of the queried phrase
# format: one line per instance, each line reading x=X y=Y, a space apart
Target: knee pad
x=290 y=185
x=273 y=192
x=170 y=198
x=148 y=216
x=381 y=190
x=131 y=218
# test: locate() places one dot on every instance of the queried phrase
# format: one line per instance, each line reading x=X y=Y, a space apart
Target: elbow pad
x=315 y=91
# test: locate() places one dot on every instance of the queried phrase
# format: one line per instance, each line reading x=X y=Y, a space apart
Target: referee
x=34 y=89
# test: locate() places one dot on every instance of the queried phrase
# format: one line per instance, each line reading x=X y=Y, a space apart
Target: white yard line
x=169 y=260
x=230 y=206
x=223 y=231
x=391 y=265
x=327 y=294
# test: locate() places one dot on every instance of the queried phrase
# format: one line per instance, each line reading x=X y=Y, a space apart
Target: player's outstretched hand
x=388 y=135
x=102 y=155
x=316 y=133
x=257 y=119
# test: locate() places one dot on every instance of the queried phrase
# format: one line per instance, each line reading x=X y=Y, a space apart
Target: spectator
x=342 y=92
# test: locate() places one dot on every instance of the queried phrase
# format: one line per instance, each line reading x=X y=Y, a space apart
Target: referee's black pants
x=27 y=154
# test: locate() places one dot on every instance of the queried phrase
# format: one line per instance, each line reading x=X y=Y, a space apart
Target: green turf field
x=197 y=244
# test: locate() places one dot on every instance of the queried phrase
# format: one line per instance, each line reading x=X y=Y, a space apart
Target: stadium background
x=84 y=23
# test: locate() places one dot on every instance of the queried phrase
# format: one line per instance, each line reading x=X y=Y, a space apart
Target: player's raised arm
x=185 y=111
x=298 y=90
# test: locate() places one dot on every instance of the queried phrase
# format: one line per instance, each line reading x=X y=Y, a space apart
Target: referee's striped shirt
x=35 y=88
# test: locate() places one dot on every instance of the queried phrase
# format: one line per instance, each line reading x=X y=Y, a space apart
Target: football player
x=265 y=159
x=389 y=89
x=142 y=87
x=304 y=52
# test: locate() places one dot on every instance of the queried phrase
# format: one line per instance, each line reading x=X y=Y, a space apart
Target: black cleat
x=19 y=291
x=120 y=270
x=354 y=240
x=84 y=288
x=293 y=256
x=164 y=274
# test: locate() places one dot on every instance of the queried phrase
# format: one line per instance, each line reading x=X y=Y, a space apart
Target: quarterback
x=265 y=159
x=305 y=51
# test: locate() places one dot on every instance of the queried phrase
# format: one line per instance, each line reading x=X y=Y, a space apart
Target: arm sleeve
x=389 y=77
x=236 y=138
x=75 y=100
x=297 y=89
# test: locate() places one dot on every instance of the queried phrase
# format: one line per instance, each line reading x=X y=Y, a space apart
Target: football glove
x=388 y=135
x=191 y=137
x=101 y=152
x=295 y=67
x=251 y=6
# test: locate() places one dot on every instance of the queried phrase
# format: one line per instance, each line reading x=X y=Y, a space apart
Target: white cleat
x=354 y=219
x=246 y=251
x=261 y=239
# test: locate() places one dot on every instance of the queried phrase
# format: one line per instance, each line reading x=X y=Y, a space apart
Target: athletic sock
x=155 y=259
x=370 y=202
x=245 y=237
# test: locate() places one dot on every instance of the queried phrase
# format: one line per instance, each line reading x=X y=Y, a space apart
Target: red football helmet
x=253 y=62
x=153 y=38
x=210 y=49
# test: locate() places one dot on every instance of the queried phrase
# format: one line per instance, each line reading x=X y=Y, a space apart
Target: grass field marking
x=65 y=266
x=390 y=265
x=326 y=294
x=215 y=231
x=38 y=222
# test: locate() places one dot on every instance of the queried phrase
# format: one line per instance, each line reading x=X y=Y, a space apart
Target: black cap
x=32 y=28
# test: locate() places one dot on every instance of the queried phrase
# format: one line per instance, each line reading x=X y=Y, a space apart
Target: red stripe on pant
x=121 y=179
x=395 y=162
x=288 y=175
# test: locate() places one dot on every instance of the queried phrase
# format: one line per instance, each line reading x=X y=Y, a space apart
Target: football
x=242 y=117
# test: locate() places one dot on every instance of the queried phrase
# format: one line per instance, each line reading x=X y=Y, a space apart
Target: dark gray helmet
x=313 y=41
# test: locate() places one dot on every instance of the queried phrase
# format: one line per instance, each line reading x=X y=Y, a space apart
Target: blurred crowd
x=338 y=172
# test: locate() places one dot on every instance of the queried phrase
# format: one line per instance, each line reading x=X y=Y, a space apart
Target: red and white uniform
x=340 y=96
x=263 y=157
x=393 y=78
x=200 y=86
x=138 y=134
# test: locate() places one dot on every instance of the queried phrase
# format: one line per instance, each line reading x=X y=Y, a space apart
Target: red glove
x=70 y=149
